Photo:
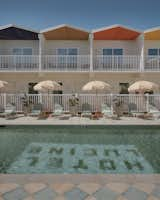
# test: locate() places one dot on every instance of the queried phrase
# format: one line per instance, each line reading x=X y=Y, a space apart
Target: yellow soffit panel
x=154 y=35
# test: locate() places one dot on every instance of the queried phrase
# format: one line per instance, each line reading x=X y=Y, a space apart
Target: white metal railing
x=152 y=63
x=131 y=102
x=19 y=63
x=79 y=63
x=66 y=63
x=117 y=63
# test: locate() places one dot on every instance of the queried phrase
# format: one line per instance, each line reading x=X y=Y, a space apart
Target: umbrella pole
x=96 y=102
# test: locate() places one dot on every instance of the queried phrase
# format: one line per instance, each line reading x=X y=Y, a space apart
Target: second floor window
x=112 y=52
x=153 y=52
x=67 y=51
x=22 y=51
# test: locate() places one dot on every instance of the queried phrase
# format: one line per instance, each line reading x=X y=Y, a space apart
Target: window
x=27 y=51
x=62 y=52
x=118 y=52
x=22 y=51
x=110 y=52
x=67 y=51
x=123 y=88
x=153 y=52
x=107 y=52
x=31 y=88
x=67 y=56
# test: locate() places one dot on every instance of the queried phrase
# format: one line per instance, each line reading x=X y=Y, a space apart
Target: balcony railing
x=19 y=63
x=78 y=63
x=66 y=63
x=152 y=63
x=117 y=63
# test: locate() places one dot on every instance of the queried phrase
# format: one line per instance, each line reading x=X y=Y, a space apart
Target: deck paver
x=75 y=193
x=7 y=187
x=80 y=187
x=45 y=194
x=17 y=194
x=118 y=187
x=34 y=187
x=106 y=194
x=89 y=188
x=145 y=187
x=156 y=191
x=61 y=188
x=134 y=193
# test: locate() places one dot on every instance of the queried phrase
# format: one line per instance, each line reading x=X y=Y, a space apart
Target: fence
x=131 y=102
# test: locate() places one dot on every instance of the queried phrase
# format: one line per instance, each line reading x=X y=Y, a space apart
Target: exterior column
x=142 y=54
x=41 y=47
x=91 y=51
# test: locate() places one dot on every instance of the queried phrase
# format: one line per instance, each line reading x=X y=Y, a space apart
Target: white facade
x=75 y=70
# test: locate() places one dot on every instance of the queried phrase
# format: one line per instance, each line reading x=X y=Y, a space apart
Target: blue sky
x=88 y=14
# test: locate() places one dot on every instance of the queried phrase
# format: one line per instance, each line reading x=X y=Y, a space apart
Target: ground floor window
x=123 y=88
x=31 y=88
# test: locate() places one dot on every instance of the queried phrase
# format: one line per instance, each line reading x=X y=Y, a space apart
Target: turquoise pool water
x=80 y=149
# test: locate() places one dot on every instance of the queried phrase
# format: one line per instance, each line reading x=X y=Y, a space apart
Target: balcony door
x=153 y=59
x=67 y=57
x=22 y=56
x=112 y=58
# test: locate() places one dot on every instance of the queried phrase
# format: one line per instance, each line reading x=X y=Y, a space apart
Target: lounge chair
x=154 y=111
x=86 y=110
x=9 y=111
x=132 y=110
x=36 y=110
x=58 y=110
x=106 y=110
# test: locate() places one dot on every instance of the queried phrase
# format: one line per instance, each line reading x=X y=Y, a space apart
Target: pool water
x=80 y=149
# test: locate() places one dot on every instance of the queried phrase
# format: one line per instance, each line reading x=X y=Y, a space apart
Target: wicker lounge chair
x=86 y=110
x=36 y=110
x=9 y=111
x=106 y=110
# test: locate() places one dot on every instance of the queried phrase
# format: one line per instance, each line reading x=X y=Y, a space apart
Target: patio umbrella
x=96 y=86
x=3 y=84
x=142 y=87
x=46 y=86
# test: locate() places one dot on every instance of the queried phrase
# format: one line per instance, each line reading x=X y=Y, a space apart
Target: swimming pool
x=80 y=149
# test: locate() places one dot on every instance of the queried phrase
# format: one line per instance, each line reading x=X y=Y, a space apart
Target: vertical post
x=142 y=53
x=5 y=100
x=91 y=51
x=111 y=103
x=41 y=45
x=147 y=102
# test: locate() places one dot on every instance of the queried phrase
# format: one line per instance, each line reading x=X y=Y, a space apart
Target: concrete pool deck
x=79 y=187
x=78 y=121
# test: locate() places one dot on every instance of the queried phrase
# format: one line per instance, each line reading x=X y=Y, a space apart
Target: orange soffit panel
x=152 y=35
x=118 y=33
x=66 y=33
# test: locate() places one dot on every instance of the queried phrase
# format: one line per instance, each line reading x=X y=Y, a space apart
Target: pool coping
x=79 y=178
x=75 y=121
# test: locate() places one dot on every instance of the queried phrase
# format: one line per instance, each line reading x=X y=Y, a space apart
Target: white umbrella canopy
x=142 y=87
x=46 y=86
x=96 y=86
x=3 y=84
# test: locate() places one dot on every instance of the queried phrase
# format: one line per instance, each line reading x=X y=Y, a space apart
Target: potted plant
x=73 y=105
x=27 y=103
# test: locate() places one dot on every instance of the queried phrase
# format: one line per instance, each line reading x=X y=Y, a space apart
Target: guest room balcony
x=79 y=63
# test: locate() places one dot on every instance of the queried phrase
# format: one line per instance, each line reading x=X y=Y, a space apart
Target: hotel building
x=72 y=56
